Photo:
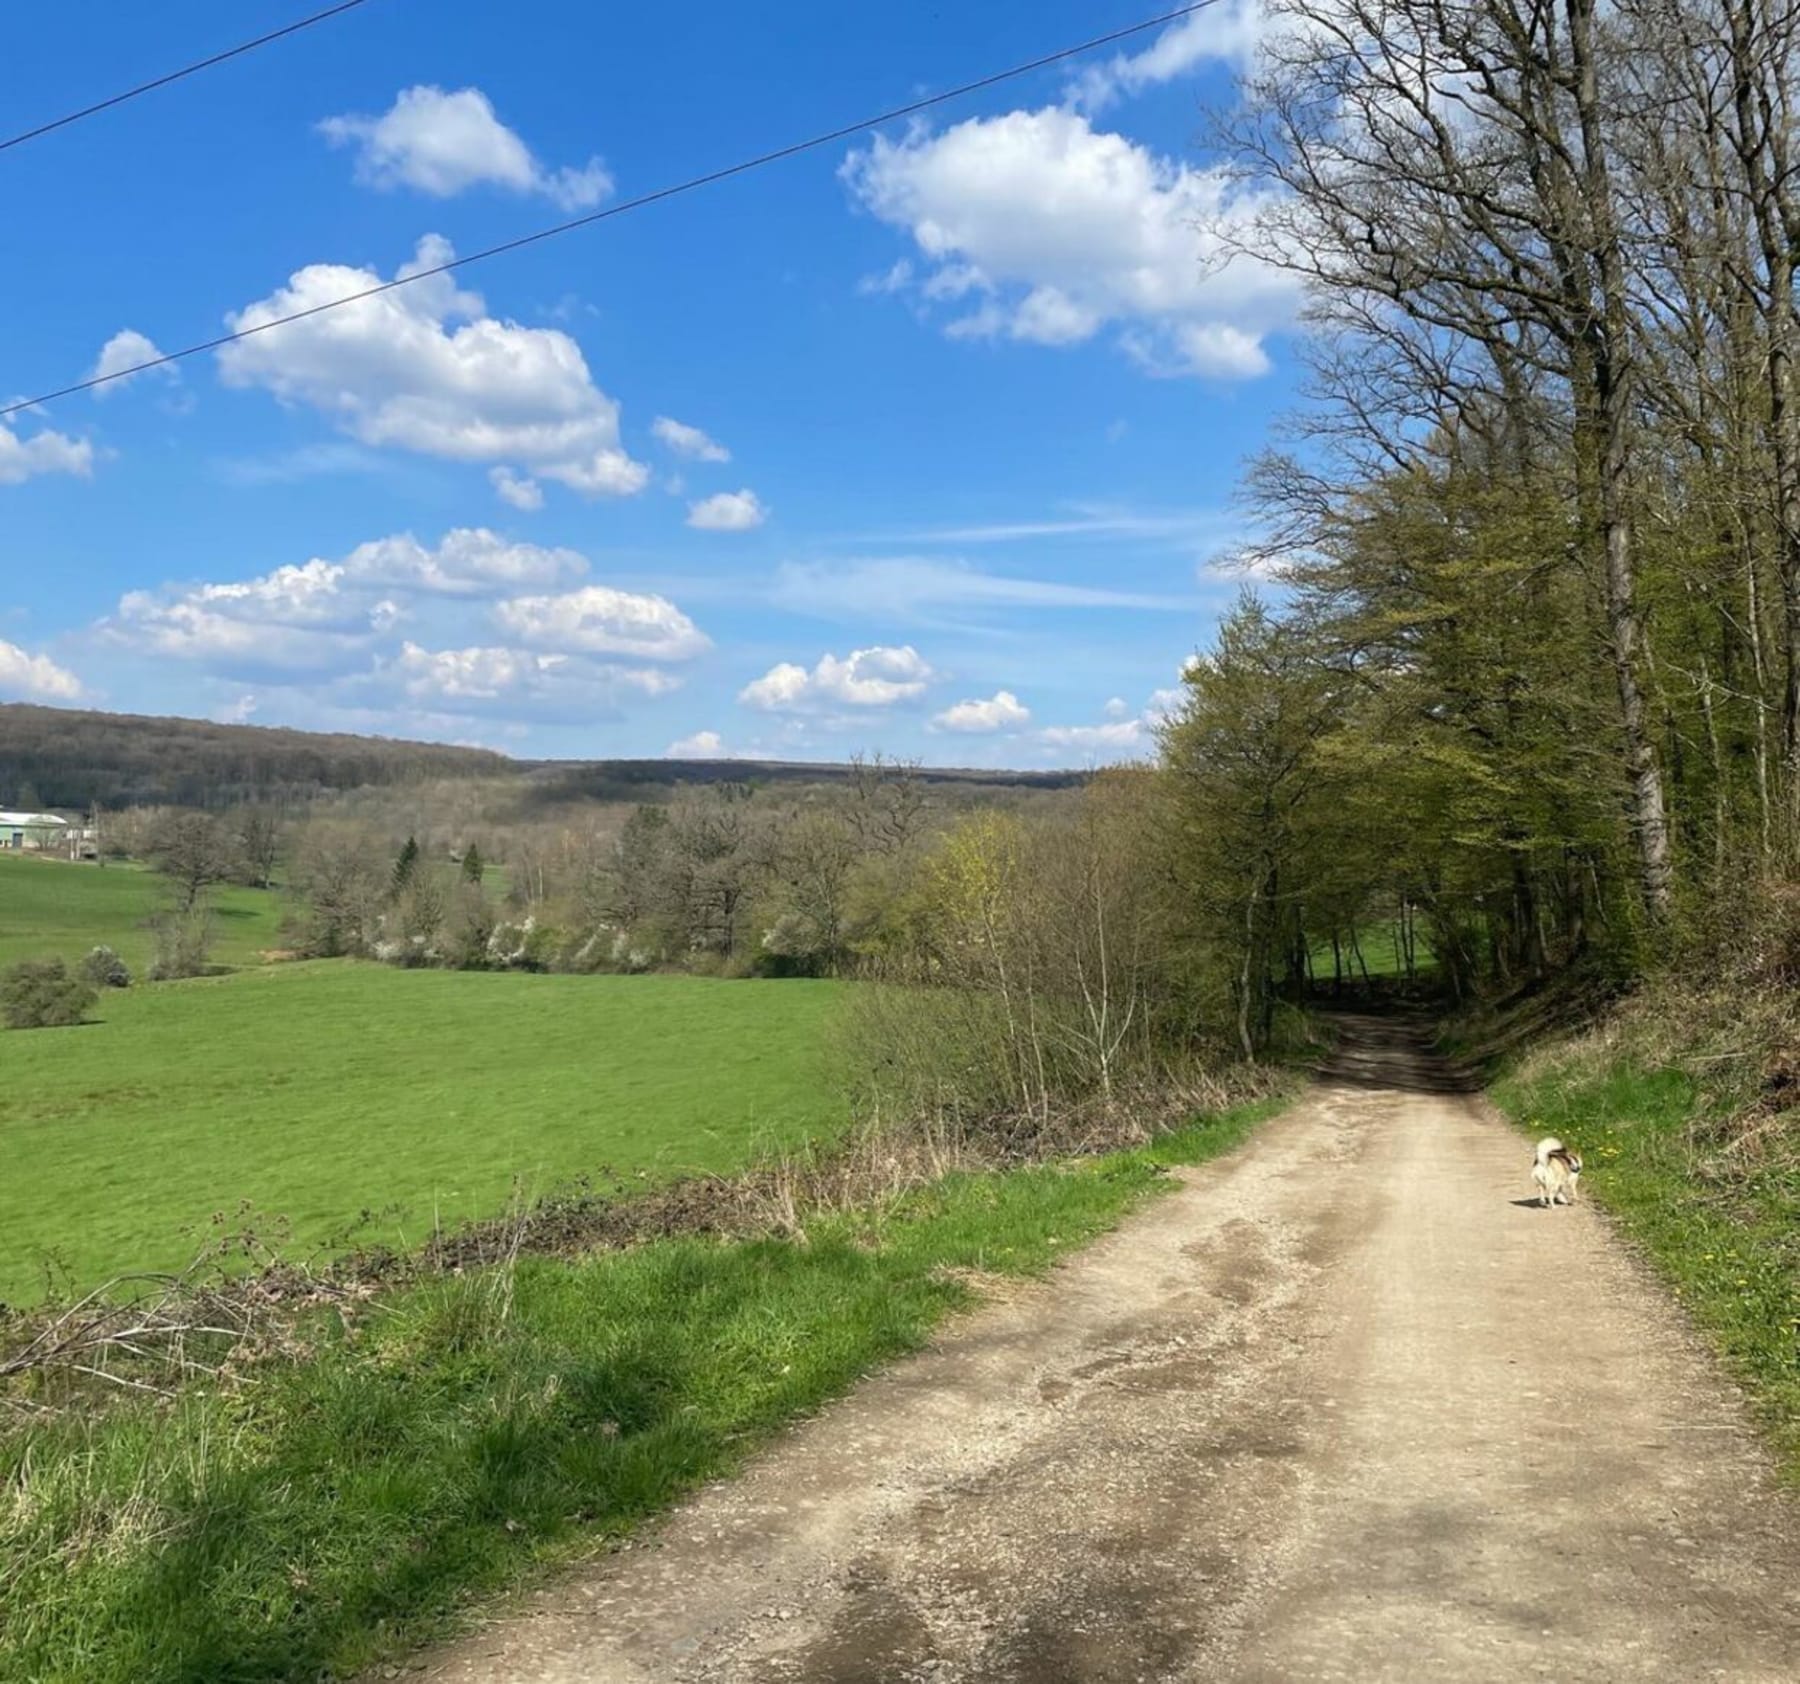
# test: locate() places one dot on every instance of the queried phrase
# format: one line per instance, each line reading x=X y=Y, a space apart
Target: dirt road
x=1342 y=1408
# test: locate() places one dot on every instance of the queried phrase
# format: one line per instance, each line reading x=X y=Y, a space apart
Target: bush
x=183 y=940
x=525 y=946
x=103 y=968
x=43 y=994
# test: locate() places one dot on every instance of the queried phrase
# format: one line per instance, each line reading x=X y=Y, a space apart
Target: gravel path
x=1341 y=1408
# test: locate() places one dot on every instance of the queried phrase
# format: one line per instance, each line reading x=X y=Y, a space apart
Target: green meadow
x=56 y=907
x=318 y=1092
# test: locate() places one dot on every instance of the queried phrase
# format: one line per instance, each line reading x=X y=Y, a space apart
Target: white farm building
x=34 y=833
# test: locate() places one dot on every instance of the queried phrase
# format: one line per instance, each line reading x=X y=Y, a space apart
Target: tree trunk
x=1609 y=342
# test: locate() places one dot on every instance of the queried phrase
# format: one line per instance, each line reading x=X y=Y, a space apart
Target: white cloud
x=1003 y=711
x=1164 y=705
x=425 y=368
x=222 y=633
x=702 y=745
x=489 y=674
x=28 y=677
x=43 y=453
x=1177 y=526
x=326 y=617
x=601 y=620
x=444 y=143
x=1122 y=734
x=238 y=712
x=1121 y=738
x=1057 y=230
x=1214 y=349
x=897 y=278
x=688 y=441
x=522 y=493
x=867 y=678
x=729 y=511
x=128 y=349
x=783 y=687
x=908 y=586
x=487 y=679
x=1227 y=33
x=607 y=473
x=304 y=595
x=468 y=561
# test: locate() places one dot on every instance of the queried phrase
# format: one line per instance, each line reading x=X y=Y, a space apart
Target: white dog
x=1557 y=1172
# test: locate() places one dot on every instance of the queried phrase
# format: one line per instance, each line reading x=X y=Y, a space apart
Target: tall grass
x=346 y=1506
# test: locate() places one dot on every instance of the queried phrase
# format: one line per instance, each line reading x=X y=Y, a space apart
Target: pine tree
x=473 y=865
x=406 y=865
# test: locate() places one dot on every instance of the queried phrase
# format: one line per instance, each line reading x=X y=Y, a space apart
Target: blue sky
x=923 y=442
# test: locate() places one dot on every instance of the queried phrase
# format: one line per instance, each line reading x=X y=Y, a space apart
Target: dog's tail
x=1547 y=1148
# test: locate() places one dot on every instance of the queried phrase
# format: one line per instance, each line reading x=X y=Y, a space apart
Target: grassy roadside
x=347 y=1507
x=1662 y=1122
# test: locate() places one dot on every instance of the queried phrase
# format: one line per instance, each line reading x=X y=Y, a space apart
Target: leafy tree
x=1243 y=757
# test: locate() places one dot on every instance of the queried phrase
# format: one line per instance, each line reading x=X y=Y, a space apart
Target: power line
x=180 y=75
x=792 y=150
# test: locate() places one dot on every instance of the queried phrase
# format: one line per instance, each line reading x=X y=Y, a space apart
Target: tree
x=405 y=865
x=259 y=844
x=194 y=851
x=473 y=866
x=1448 y=190
x=813 y=860
x=339 y=884
x=1243 y=754
x=887 y=806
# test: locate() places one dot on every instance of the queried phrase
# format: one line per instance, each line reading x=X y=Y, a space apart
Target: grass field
x=56 y=907
x=1380 y=944
x=317 y=1091
x=342 y=1510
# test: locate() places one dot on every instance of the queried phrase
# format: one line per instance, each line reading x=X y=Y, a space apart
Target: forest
x=1531 y=664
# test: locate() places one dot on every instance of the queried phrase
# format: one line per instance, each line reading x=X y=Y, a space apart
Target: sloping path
x=1342 y=1408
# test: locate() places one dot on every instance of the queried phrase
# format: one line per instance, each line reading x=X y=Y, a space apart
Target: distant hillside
x=643 y=780
x=60 y=757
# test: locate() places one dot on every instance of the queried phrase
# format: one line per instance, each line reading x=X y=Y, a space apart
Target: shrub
x=43 y=994
x=525 y=946
x=103 y=968
x=469 y=927
x=183 y=940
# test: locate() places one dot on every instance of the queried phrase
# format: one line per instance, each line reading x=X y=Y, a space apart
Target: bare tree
x=194 y=851
x=259 y=843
